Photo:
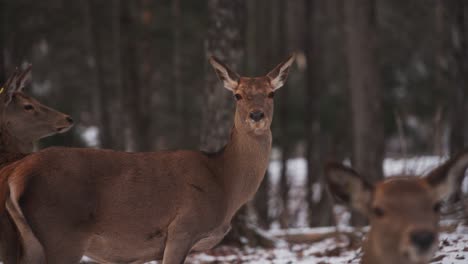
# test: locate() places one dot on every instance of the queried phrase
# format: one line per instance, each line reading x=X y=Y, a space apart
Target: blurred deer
x=119 y=207
x=403 y=210
x=23 y=121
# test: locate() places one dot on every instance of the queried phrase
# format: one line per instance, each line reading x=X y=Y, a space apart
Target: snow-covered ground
x=336 y=249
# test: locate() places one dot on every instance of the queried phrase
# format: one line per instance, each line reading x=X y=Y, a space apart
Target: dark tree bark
x=135 y=104
x=365 y=90
x=459 y=95
x=441 y=75
x=179 y=104
x=105 y=31
x=319 y=204
x=3 y=26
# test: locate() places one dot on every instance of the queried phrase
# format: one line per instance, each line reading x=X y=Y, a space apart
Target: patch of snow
x=90 y=136
x=332 y=250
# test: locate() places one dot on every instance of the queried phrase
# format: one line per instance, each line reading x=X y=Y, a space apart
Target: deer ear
x=7 y=89
x=348 y=187
x=230 y=78
x=280 y=73
x=24 y=79
x=446 y=178
x=15 y=83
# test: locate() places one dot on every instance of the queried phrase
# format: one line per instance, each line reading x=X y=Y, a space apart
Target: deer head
x=403 y=210
x=254 y=96
x=23 y=117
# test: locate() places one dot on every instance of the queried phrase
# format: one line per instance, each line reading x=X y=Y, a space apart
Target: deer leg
x=63 y=248
x=177 y=249
x=32 y=251
x=9 y=243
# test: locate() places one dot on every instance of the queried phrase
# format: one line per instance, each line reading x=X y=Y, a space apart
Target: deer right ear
x=230 y=78
x=348 y=187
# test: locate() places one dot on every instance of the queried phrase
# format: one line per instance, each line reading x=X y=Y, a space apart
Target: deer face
x=403 y=211
x=26 y=118
x=254 y=96
x=404 y=218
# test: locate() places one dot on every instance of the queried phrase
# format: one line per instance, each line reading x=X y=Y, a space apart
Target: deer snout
x=256 y=115
x=69 y=119
x=423 y=239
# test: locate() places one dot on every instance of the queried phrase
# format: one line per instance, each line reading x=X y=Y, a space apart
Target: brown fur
x=398 y=207
x=19 y=129
x=119 y=207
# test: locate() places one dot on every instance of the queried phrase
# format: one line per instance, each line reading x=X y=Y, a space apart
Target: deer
x=123 y=207
x=403 y=210
x=23 y=121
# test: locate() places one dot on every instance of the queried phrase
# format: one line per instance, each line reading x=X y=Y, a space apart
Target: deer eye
x=271 y=95
x=437 y=207
x=28 y=107
x=378 y=212
x=238 y=97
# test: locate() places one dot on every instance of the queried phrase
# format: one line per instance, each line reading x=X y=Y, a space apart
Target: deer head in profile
x=23 y=119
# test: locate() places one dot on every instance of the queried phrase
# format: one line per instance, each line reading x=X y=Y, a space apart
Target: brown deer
x=119 y=207
x=403 y=210
x=23 y=121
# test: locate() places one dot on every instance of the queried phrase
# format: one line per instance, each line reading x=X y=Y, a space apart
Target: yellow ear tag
x=1 y=90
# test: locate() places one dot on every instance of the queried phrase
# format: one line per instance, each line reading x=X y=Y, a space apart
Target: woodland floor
x=331 y=248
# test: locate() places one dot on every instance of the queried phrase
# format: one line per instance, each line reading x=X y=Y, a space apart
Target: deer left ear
x=446 y=178
x=280 y=73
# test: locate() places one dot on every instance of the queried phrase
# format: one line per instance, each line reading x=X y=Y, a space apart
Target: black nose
x=257 y=115
x=423 y=239
x=69 y=119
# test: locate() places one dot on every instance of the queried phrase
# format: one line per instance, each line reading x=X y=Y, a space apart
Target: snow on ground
x=332 y=250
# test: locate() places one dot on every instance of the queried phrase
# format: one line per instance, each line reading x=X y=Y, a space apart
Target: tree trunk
x=179 y=106
x=319 y=204
x=135 y=109
x=364 y=85
x=459 y=95
x=105 y=30
x=3 y=26
x=441 y=63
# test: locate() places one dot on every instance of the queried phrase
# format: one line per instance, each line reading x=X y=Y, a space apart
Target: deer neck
x=11 y=144
x=244 y=163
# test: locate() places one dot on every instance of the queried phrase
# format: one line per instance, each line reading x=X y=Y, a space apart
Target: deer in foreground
x=119 y=207
x=23 y=121
x=403 y=210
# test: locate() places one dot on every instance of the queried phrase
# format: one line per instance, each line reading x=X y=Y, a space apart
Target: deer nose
x=423 y=239
x=69 y=119
x=257 y=115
